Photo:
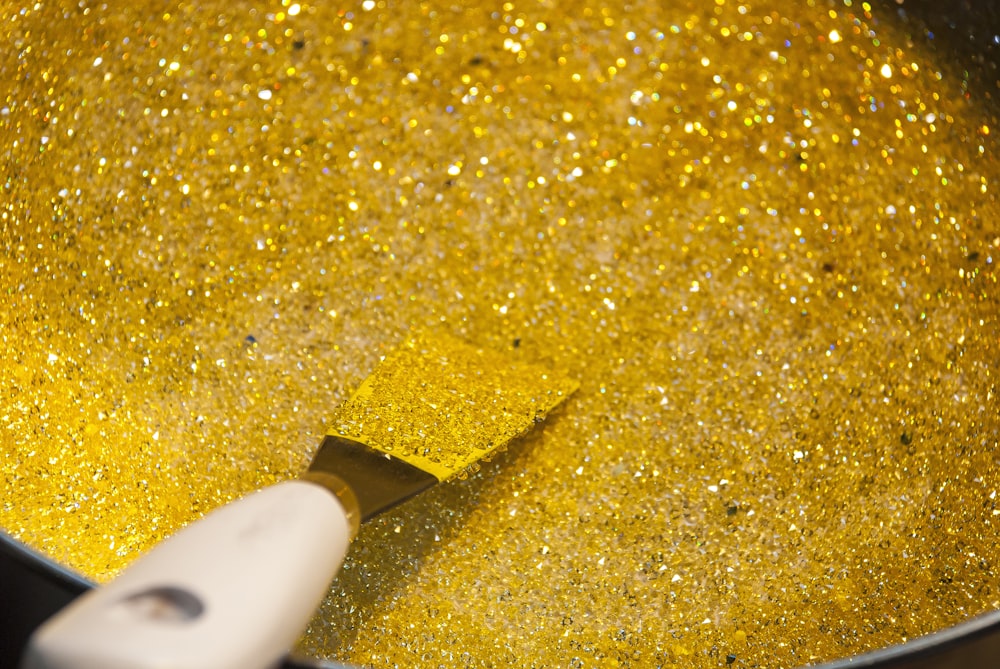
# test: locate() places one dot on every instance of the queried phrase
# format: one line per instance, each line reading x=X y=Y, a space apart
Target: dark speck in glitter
x=476 y=60
x=299 y=44
x=250 y=339
x=730 y=658
x=517 y=342
x=973 y=257
x=827 y=267
x=732 y=509
x=906 y=439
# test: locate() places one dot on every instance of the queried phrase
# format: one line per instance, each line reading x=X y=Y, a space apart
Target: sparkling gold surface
x=443 y=405
x=763 y=236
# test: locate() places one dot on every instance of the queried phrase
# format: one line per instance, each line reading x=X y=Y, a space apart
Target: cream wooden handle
x=231 y=591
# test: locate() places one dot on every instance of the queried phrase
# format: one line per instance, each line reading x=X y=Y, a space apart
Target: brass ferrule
x=339 y=488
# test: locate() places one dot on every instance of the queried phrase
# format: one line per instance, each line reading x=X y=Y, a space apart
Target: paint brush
x=236 y=588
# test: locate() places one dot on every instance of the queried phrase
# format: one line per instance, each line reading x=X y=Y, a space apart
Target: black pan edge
x=33 y=588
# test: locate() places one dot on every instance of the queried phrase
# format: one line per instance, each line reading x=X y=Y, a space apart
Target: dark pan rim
x=970 y=643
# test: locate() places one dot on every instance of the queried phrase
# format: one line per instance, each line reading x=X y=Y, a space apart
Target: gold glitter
x=442 y=406
x=762 y=235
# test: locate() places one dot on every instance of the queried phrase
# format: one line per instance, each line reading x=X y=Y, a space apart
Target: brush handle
x=233 y=590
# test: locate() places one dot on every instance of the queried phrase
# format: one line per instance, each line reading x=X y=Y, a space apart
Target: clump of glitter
x=443 y=405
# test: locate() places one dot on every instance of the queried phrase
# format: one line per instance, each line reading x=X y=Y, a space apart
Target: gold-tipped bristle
x=442 y=405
